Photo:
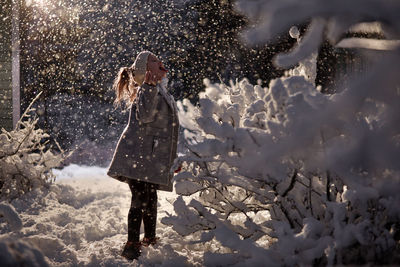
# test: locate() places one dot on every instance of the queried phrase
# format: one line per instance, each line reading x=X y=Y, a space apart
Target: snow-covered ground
x=82 y=221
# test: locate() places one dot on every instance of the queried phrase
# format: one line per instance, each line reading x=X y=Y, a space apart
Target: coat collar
x=167 y=96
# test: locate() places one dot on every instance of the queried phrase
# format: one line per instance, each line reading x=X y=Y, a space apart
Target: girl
x=147 y=147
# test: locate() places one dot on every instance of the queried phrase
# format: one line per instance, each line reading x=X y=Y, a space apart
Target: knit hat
x=140 y=64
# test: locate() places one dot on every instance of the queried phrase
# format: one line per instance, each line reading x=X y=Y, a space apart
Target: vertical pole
x=15 y=52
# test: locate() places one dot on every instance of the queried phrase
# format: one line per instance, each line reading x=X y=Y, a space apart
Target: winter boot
x=147 y=241
x=131 y=250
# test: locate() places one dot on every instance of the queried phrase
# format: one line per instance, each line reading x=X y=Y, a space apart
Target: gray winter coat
x=147 y=147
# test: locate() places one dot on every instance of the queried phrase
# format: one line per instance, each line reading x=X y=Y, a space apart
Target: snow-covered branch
x=26 y=158
x=329 y=20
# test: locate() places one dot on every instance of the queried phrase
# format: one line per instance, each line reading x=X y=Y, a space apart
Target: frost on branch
x=26 y=158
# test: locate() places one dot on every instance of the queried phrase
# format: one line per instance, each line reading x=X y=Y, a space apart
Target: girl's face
x=156 y=67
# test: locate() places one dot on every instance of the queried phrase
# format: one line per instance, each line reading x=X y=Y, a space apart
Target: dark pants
x=143 y=207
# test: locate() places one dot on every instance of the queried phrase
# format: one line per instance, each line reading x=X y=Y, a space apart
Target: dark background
x=73 y=51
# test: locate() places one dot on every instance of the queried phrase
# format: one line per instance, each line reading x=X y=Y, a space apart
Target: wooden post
x=15 y=51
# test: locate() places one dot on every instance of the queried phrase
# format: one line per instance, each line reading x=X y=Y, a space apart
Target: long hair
x=126 y=86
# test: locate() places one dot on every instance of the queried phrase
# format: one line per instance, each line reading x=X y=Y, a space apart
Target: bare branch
x=291 y=185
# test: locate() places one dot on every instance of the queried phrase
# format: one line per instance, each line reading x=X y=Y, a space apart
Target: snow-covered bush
x=324 y=167
x=254 y=149
x=26 y=158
